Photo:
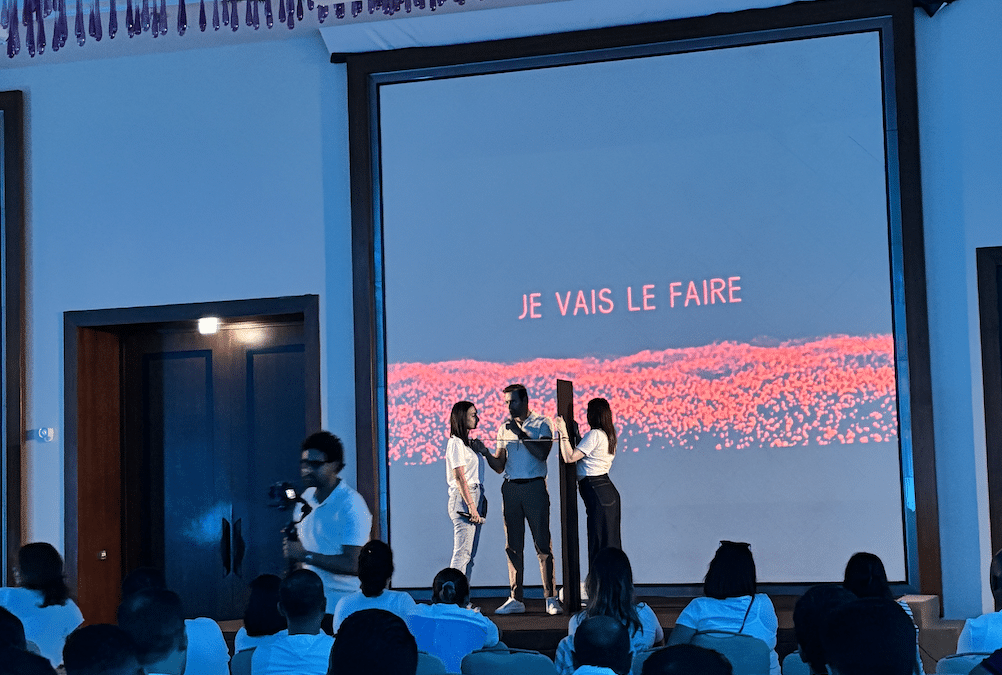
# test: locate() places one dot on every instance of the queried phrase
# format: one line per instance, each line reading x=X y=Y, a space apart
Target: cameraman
x=337 y=524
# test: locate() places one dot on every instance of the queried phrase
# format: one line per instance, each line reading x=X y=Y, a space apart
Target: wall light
x=208 y=325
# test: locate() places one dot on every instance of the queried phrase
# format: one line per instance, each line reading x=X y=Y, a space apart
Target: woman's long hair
x=450 y=587
x=457 y=421
x=610 y=589
x=375 y=567
x=731 y=573
x=600 y=417
x=41 y=569
x=865 y=576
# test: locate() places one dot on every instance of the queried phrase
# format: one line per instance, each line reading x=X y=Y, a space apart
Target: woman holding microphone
x=594 y=455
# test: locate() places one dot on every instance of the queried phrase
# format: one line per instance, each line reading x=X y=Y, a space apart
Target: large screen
x=698 y=234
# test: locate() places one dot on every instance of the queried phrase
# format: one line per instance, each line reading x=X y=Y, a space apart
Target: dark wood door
x=211 y=422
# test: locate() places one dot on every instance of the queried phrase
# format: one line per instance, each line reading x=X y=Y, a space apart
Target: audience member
x=42 y=601
x=11 y=631
x=871 y=636
x=373 y=641
x=450 y=597
x=303 y=648
x=984 y=633
x=153 y=619
x=730 y=602
x=208 y=653
x=686 y=660
x=100 y=649
x=611 y=593
x=262 y=622
x=810 y=615
x=866 y=578
x=19 y=662
x=602 y=647
x=375 y=567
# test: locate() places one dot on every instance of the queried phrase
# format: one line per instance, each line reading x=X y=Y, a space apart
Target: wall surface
x=221 y=173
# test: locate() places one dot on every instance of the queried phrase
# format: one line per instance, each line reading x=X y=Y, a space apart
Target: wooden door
x=210 y=422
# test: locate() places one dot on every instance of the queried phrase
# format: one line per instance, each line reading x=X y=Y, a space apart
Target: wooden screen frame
x=924 y=563
x=989 y=261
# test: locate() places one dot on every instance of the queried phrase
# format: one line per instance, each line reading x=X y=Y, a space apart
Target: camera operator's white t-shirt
x=343 y=519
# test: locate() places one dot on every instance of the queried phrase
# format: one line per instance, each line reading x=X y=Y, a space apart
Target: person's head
x=686 y=660
x=451 y=587
x=154 y=620
x=100 y=649
x=321 y=459
x=373 y=641
x=731 y=573
x=610 y=588
x=11 y=631
x=40 y=568
x=865 y=576
x=604 y=642
x=262 y=616
x=600 y=417
x=870 y=636
x=375 y=567
x=517 y=399
x=810 y=616
x=301 y=597
x=143 y=577
x=18 y=662
x=462 y=420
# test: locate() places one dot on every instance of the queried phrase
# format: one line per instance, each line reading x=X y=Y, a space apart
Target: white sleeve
x=454 y=453
x=590 y=443
x=965 y=643
x=358 y=525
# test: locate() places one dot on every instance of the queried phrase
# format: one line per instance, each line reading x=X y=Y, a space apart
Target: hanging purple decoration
x=60 y=31
x=339 y=10
x=226 y=13
x=269 y=18
x=248 y=13
x=112 y=20
x=281 y=11
x=373 y=6
x=40 y=17
x=155 y=20
x=163 y=17
x=25 y=12
x=299 y=10
x=215 y=14
x=4 y=14
x=290 y=15
x=356 y=8
x=234 y=17
x=144 y=22
x=14 y=31
x=257 y=15
x=407 y=6
x=78 y=25
x=90 y=23
x=47 y=7
x=182 y=17
x=202 y=21
x=99 y=33
x=309 y=5
x=29 y=27
x=322 y=12
x=419 y=4
x=130 y=26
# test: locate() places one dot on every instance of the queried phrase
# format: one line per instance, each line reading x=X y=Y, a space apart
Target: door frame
x=94 y=484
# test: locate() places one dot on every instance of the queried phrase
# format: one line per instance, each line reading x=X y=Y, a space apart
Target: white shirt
x=459 y=455
x=981 y=634
x=343 y=519
x=243 y=641
x=396 y=602
x=596 y=461
x=207 y=650
x=457 y=613
x=521 y=463
x=711 y=614
x=293 y=655
x=639 y=639
x=48 y=626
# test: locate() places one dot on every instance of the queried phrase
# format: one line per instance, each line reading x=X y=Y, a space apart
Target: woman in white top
x=611 y=593
x=594 y=455
x=729 y=602
x=42 y=602
x=464 y=470
x=375 y=567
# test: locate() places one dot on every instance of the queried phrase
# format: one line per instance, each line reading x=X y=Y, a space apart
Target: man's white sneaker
x=553 y=606
x=511 y=606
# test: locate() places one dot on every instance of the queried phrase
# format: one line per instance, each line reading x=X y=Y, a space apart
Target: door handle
x=239 y=546
x=224 y=546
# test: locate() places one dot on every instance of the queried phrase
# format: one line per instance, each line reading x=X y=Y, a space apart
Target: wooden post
x=569 y=506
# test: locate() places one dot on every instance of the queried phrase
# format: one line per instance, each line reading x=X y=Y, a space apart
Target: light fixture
x=932 y=6
x=208 y=325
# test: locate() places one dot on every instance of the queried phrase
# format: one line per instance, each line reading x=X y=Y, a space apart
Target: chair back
x=793 y=664
x=960 y=664
x=748 y=655
x=427 y=664
x=448 y=638
x=494 y=660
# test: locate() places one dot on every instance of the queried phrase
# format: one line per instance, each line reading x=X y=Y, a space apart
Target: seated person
x=19 y=662
x=450 y=597
x=866 y=578
x=375 y=567
x=686 y=660
x=11 y=631
x=262 y=621
x=611 y=593
x=373 y=641
x=153 y=619
x=602 y=647
x=100 y=649
x=810 y=615
x=42 y=600
x=872 y=636
x=208 y=653
x=730 y=602
x=303 y=648
x=984 y=633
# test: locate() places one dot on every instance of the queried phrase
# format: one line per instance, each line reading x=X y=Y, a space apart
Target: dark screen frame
x=365 y=71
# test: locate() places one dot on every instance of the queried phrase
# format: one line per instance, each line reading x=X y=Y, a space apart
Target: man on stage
x=337 y=523
x=523 y=444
